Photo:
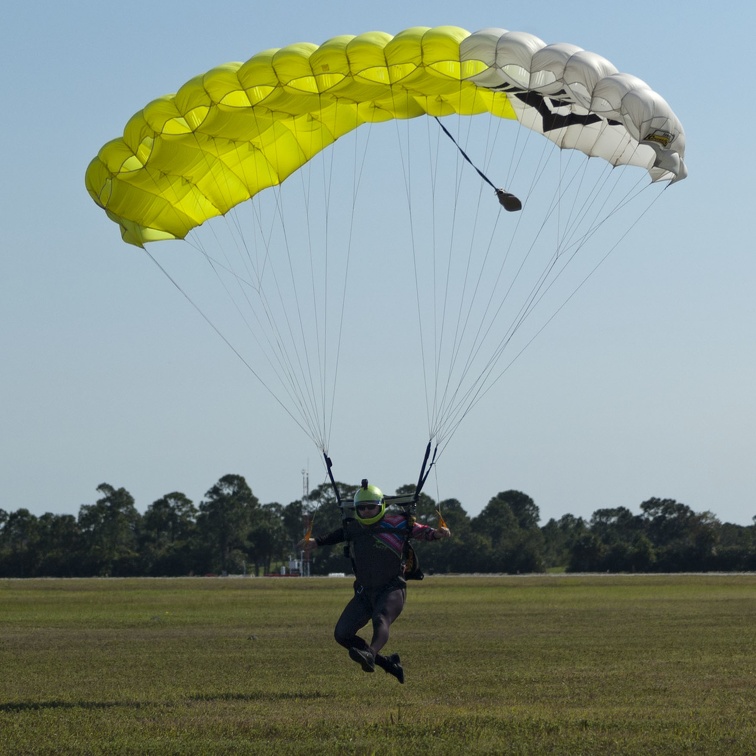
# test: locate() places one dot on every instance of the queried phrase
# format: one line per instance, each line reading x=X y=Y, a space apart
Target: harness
x=410 y=564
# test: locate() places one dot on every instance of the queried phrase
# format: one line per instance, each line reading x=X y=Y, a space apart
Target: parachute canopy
x=242 y=127
x=275 y=271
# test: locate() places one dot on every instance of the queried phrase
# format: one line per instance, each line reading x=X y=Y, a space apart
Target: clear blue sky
x=644 y=386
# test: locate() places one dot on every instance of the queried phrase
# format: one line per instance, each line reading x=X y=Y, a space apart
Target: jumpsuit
x=377 y=553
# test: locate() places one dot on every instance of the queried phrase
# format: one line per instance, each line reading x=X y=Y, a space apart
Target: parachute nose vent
x=364 y=483
x=508 y=201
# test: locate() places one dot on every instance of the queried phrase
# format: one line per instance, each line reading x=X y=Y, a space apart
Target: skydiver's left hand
x=442 y=533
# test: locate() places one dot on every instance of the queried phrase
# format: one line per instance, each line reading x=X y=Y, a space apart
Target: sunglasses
x=365 y=507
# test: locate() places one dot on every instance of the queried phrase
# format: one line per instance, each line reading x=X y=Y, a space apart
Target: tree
x=615 y=524
x=452 y=554
x=667 y=520
x=559 y=538
x=18 y=544
x=510 y=523
x=109 y=530
x=295 y=518
x=736 y=547
x=588 y=554
x=267 y=537
x=225 y=519
x=169 y=519
x=59 y=546
x=523 y=508
x=169 y=533
x=497 y=522
x=625 y=547
x=683 y=540
x=323 y=496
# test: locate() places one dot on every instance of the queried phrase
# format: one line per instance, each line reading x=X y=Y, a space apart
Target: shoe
x=395 y=667
x=365 y=658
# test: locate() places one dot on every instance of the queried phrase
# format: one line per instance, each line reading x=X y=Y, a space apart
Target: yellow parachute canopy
x=242 y=127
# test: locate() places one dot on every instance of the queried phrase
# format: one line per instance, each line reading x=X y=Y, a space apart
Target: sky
x=642 y=387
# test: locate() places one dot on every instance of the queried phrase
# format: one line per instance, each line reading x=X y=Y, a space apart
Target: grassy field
x=523 y=665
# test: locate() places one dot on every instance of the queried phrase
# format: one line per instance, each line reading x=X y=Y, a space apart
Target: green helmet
x=366 y=495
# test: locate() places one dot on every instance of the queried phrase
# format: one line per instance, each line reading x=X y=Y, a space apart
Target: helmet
x=369 y=495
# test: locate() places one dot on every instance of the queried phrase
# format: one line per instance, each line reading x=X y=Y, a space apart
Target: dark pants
x=382 y=606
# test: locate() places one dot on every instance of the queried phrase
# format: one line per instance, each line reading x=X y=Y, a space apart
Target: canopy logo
x=664 y=138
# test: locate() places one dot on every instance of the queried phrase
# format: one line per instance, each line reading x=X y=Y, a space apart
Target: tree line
x=231 y=532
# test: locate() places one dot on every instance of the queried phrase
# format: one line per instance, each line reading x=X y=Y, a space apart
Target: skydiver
x=378 y=546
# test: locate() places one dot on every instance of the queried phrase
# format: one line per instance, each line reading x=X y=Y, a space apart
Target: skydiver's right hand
x=307 y=544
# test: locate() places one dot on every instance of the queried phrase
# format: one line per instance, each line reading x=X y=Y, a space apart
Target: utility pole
x=305 y=556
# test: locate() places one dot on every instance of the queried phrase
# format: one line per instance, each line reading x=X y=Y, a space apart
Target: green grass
x=553 y=664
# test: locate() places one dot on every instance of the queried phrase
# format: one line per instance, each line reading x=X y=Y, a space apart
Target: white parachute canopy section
x=580 y=101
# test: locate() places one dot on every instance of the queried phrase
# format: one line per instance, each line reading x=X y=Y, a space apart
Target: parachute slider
x=508 y=201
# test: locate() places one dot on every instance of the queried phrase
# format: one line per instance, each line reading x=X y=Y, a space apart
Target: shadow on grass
x=17 y=706
x=260 y=696
x=21 y=706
